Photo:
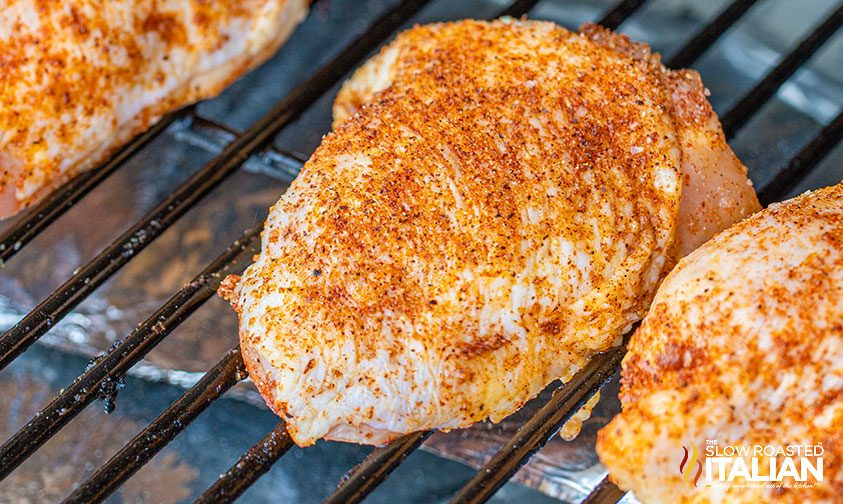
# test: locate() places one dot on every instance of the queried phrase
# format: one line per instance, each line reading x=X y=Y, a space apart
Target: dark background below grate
x=72 y=401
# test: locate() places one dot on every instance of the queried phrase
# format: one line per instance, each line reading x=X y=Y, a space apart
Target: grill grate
x=156 y=435
x=802 y=163
x=251 y=466
x=709 y=34
x=735 y=118
x=605 y=492
x=361 y=480
x=257 y=460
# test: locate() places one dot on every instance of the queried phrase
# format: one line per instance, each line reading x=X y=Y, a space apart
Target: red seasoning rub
x=80 y=78
x=498 y=202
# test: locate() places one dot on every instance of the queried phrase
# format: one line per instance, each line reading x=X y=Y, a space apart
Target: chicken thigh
x=497 y=203
x=80 y=78
x=743 y=346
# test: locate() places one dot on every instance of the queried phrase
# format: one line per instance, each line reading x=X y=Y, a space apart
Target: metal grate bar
x=44 y=213
x=153 y=224
x=604 y=493
x=735 y=118
x=250 y=467
x=366 y=476
x=566 y=400
x=122 y=356
x=156 y=435
x=518 y=8
x=213 y=136
x=620 y=13
x=704 y=39
x=801 y=164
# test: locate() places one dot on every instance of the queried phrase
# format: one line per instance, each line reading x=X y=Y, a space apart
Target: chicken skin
x=743 y=345
x=80 y=78
x=498 y=202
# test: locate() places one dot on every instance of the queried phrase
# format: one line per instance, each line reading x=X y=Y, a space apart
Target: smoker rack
x=101 y=378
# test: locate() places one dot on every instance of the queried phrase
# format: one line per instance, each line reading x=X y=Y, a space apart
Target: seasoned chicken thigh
x=497 y=203
x=79 y=78
x=743 y=346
